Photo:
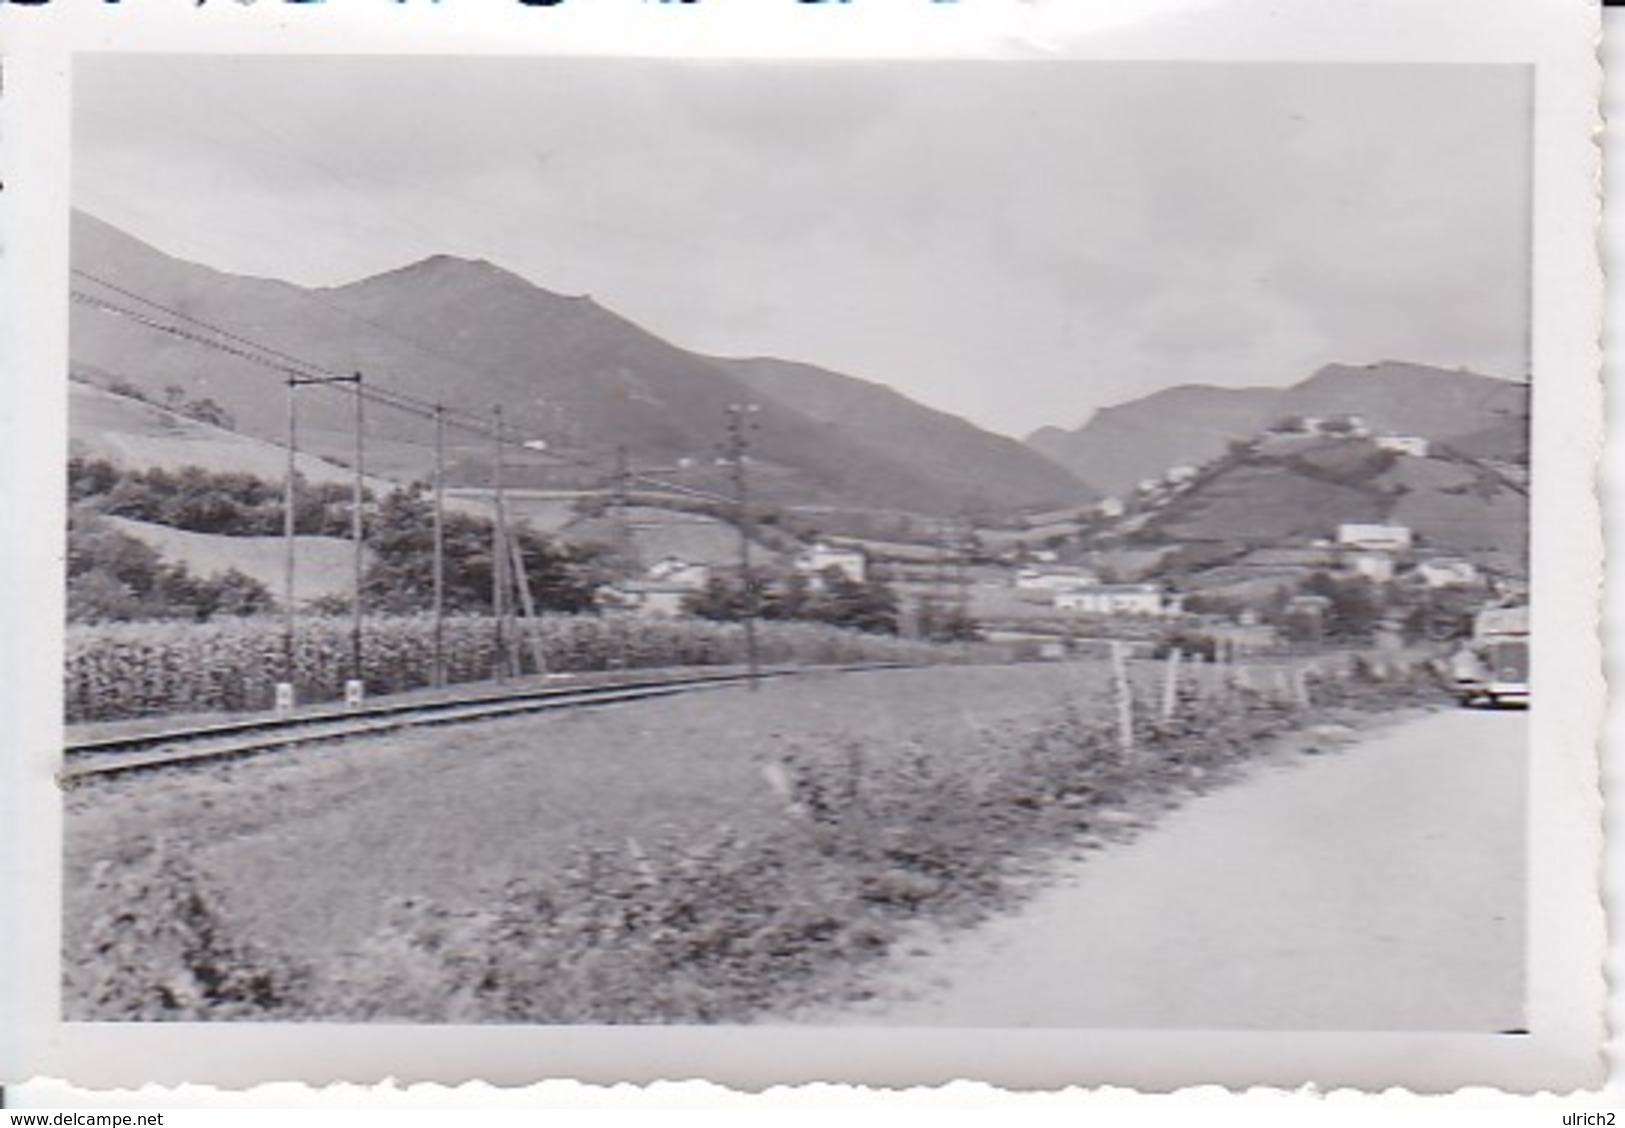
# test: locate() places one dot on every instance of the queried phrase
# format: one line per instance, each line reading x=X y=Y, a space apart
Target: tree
x=722 y=599
x=114 y=576
x=845 y=602
x=1356 y=604
x=400 y=535
x=940 y=621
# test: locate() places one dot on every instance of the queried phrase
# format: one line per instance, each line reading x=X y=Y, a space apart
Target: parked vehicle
x=1493 y=668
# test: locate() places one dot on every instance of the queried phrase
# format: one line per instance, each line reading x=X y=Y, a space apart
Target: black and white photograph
x=839 y=545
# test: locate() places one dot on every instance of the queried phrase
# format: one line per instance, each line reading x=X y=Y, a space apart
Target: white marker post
x=284 y=698
x=1125 y=698
x=1170 y=684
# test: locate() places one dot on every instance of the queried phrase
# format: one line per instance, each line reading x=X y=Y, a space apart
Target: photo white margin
x=1557 y=38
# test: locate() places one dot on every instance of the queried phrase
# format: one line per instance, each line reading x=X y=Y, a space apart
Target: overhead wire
x=265 y=356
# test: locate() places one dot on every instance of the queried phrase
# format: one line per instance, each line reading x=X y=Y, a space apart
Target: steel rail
x=111 y=755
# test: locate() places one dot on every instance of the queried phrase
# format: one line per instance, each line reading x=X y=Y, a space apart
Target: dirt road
x=1378 y=886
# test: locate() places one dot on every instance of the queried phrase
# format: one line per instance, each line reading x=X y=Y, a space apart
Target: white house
x=818 y=559
x=1054 y=577
x=1110 y=507
x=1373 y=565
x=680 y=573
x=1414 y=445
x=653 y=599
x=1380 y=538
x=1447 y=572
x=1178 y=475
x=1113 y=599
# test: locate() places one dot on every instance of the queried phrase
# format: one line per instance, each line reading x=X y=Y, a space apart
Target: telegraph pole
x=289 y=501
x=499 y=555
x=439 y=486
x=618 y=498
x=620 y=491
x=936 y=601
x=737 y=446
x=962 y=582
x=357 y=535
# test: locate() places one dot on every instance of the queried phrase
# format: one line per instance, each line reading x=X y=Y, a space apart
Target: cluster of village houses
x=1369 y=550
x=1375 y=551
x=661 y=592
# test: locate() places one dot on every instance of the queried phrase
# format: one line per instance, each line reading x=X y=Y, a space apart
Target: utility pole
x=499 y=555
x=738 y=444
x=289 y=500
x=527 y=604
x=357 y=535
x=937 y=599
x=962 y=534
x=619 y=499
x=439 y=676
x=289 y=503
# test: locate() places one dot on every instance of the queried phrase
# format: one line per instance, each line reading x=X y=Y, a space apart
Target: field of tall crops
x=120 y=670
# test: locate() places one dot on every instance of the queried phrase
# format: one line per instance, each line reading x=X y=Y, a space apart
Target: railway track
x=110 y=755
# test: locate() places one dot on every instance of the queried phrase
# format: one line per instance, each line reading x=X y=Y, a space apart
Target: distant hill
x=567 y=371
x=985 y=469
x=1193 y=424
x=1283 y=491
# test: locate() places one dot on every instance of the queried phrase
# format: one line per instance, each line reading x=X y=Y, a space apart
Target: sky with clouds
x=1017 y=243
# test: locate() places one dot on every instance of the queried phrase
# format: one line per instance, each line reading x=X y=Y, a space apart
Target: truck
x=1493 y=667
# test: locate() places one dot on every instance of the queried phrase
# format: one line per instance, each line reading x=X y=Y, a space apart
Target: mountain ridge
x=1191 y=424
x=570 y=372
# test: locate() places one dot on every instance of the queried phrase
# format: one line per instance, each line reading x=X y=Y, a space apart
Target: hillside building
x=681 y=573
x=1447 y=572
x=1110 y=507
x=820 y=558
x=1414 y=446
x=1374 y=564
x=1055 y=577
x=649 y=599
x=662 y=590
x=1113 y=599
x=1376 y=538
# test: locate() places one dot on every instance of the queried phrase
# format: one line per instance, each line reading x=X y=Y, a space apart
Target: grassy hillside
x=323 y=566
x=986 y=470
x=140 y=436
x=1121 y=445
x=1295 y=491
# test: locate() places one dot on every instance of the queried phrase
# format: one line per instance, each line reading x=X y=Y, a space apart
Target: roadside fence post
x=1243 y=679
x=1170 y=684
x=1301 y=684
x=1125 y=698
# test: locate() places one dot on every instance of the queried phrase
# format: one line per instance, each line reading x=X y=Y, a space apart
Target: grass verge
x=708 y=929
